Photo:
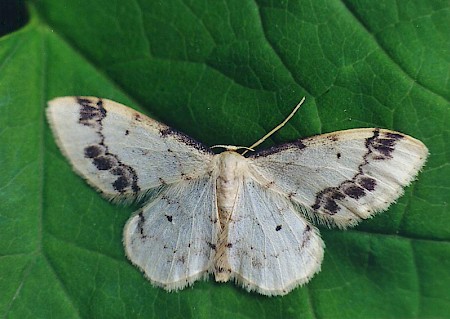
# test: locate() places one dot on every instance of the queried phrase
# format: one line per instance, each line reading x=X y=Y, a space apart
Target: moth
x=242 y=216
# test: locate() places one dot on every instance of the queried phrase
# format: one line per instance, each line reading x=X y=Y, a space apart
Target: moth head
x=233 y=148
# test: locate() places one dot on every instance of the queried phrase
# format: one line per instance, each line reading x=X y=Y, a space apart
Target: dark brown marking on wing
x=354 y=191
x=92 y=114
x=269 y=185
x=183 y=138
x=137 y=117
x=395 y=136
x=140 y=225
x=331 y=206
x=333 y=137
x=367 y=182
x=306 y=236
x=93 y=151
x=298 y=144
x=121 y=183
x=185 y=176
x=379 y=147
x=104 y=162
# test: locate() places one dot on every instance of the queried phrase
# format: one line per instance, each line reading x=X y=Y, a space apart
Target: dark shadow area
x=13 y=15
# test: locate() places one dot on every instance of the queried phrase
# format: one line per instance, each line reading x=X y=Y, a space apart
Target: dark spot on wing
x=299 y=144
x=278 y=228
x=387 y=142
x=119 y=170
x=269 y=185
x=185 y=177
x=331 y=206
x=93 y=151
x=229 y=245
x=83 y=101
x=333 y=137
x=211 y=245
x=354 y=191
x=140 y=224
x=395 y=136
x=127 y=132
x=183 y=138
x=121 y=183
x=386 y=151
x=367 y=182
x=379 y=147
x=137 y=117
x=92 y=114
x=278 y=148
x=135 y=186
x=169 y=218
x=104 y=163
x=306 y=236
x=166 y=131
x=88 y=113
x=336 y=194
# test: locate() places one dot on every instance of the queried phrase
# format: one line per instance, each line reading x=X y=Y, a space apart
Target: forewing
x=120 y=151
x=172 y=239
x=342 y=177
x=271 y=249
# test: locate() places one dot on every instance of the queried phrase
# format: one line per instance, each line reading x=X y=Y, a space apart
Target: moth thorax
x=232 y=167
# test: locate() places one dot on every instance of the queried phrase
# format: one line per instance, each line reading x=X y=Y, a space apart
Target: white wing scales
x=271 y=249
x=343 y=177
x=266 y=245
x=120 y=151
x=172 y=239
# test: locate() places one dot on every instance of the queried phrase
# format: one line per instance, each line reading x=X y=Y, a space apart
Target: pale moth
x=243 y=217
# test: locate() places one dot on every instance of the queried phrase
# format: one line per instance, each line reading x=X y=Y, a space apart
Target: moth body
x=246 y=219
x=231 y=167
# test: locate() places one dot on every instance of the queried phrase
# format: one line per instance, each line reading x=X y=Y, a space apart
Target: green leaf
x=224 y=72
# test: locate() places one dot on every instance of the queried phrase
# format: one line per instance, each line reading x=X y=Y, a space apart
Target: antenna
x=232 y=147
x=265 y=137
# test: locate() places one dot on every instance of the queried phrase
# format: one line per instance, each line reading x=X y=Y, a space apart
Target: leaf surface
x=224 y=73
